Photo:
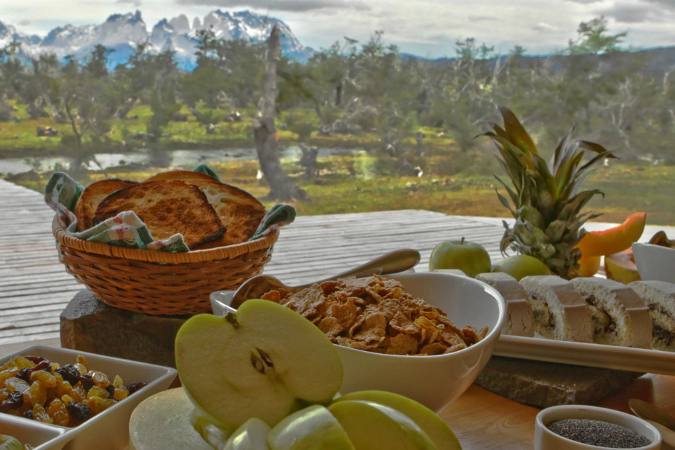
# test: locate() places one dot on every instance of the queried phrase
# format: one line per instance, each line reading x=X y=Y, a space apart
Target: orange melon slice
x=615 y=239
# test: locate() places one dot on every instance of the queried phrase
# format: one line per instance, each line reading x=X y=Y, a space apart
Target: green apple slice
x=312 y=428
x=430 y=422
x=207 y=429
x=10 y=443
x=372 y=426
x=162 y=421
x=262 y=361
x=252 y=435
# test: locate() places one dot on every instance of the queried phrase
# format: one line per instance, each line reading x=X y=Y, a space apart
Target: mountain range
x=121 y=33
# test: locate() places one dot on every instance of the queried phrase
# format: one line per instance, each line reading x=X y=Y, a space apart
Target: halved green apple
x=372 y=426
x=162 y=421
x=262 y=361
x=252 y=435
x=430 y=422
x=312 y=428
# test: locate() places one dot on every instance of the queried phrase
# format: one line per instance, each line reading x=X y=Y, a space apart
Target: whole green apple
x=469 y=257
x=520 y=266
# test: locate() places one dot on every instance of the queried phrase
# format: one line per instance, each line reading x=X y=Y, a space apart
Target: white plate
x=585 y=354
x=108 y=430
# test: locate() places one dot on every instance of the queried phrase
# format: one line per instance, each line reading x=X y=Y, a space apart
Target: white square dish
x=108 y=430
x=38 y=435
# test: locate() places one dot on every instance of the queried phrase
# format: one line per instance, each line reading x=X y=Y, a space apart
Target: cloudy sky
x=424 y=27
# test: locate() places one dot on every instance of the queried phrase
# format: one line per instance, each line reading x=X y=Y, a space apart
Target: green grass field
x=453 y=182
x=627 y=188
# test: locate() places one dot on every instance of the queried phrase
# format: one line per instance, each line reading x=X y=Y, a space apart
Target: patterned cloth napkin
x=126 y=229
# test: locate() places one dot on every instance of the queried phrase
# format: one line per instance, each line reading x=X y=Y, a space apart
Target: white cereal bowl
x=108 y=430
x=655 y=262
x=432 y=380
x=545 y=439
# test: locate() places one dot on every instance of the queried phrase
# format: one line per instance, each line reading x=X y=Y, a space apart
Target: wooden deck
x=34 y=286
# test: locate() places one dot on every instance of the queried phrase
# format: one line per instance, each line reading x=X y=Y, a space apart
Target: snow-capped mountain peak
x=121 y=33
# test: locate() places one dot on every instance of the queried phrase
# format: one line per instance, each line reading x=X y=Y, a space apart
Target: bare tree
x=281 y=185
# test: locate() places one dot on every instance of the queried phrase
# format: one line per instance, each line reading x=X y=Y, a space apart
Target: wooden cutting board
x=544 y=384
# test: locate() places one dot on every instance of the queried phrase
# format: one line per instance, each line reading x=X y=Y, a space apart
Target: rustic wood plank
x=34 y=286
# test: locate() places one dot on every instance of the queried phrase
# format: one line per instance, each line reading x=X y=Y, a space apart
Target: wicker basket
x=161 y=283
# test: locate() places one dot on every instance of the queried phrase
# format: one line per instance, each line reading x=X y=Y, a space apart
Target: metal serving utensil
x=392 y=262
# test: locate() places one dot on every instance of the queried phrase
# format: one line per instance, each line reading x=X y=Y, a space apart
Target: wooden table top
x=34 y=288
x=485 y=421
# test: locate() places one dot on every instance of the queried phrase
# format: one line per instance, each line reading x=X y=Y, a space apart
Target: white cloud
x=543 y=26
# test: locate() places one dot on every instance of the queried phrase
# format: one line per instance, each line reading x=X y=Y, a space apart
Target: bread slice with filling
x=660 y=299
x=167 y=208
x=559 y=311
x=619 y=315
x=92 y=196
x=520 y=318
x=238 y=210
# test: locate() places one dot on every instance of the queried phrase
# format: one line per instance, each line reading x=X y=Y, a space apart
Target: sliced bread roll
x=167 y=208
x=520 y=318
x=620 y=316
x=238 y=210
x=559 y=311
x=92 y=196
x=660 y=299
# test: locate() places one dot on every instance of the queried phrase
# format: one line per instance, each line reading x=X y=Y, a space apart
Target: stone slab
x=90 y=325
x=544 y=384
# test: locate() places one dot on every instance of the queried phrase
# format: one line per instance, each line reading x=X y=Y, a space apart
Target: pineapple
x=544 y=198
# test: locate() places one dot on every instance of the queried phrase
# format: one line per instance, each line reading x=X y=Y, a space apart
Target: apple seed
x=257 y=363
x=265 y=357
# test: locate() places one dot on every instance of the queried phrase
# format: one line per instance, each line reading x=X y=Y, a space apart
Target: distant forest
x=620 y=98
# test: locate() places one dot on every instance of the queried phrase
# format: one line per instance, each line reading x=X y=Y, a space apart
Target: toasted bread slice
x=167 y=208
x=92 y=196
x=238 y=210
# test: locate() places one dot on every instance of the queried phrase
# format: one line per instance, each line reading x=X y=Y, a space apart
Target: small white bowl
x=545 y=439
x=432 y=380
x=108 y=430
x=655 y=262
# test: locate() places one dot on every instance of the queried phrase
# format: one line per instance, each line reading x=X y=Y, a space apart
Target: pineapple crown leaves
x=549 y=187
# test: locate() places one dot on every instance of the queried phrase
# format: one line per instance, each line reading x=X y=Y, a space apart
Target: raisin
x=87 y=381
x=24 y=374
x=13 y=401
x=69 y=373
x=135 y=387
x=79 y=411
x=42 y=365
x=110 y=389
x=35 y=359
x=28 y=414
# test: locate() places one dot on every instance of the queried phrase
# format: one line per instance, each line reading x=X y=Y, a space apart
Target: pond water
x=164 y=158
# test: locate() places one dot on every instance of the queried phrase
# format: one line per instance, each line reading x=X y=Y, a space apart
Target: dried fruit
x=79 y=411
x=39 y=389
x=59 y=412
